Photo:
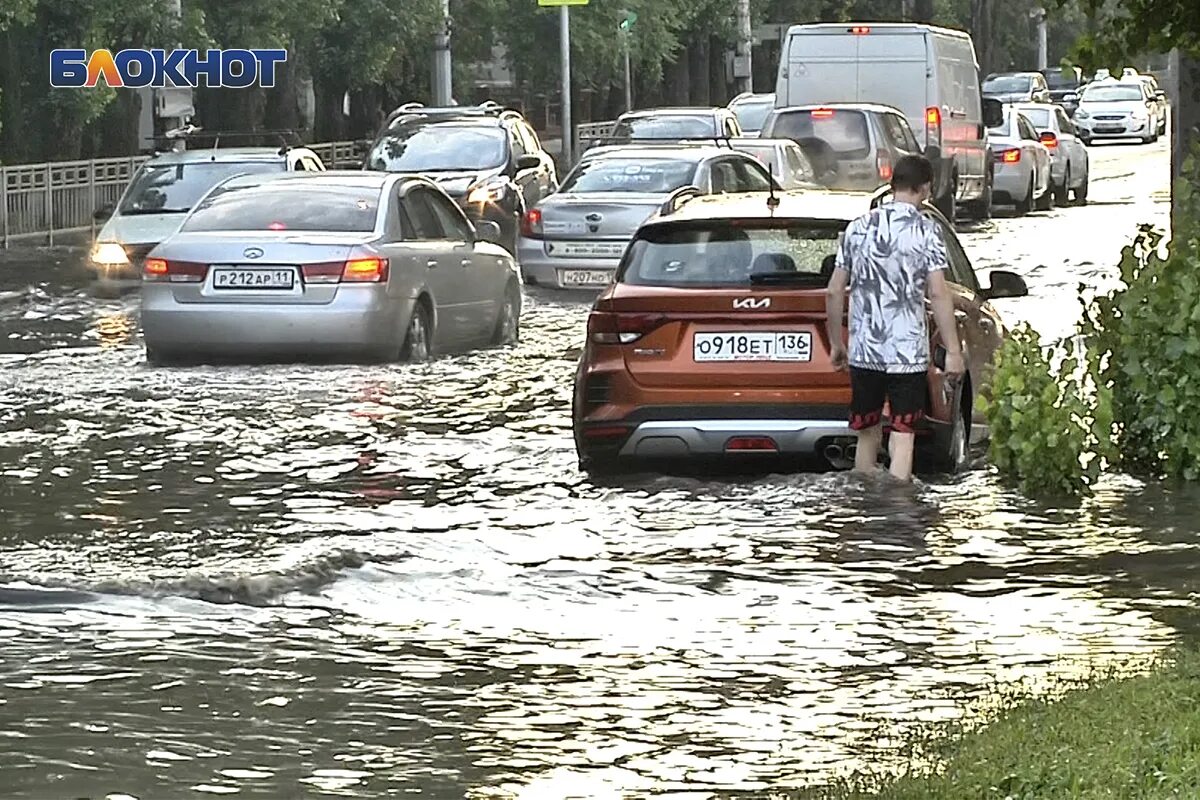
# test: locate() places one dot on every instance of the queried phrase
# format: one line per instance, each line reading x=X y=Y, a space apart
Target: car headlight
x=109 y=254
x=487 y=193
x=1082 y=114
x=1139 y=116
x=1070 y=98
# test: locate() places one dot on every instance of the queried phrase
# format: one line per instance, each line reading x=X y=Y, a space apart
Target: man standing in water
x=891 y=258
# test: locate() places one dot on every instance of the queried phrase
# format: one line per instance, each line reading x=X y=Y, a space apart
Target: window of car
x=900 y=133
x=175 y=188
x=799 y=165
x=843 y=132
x=310 y=164
x=718 y=253
x=440 y=147
x=516 y=143
x=287 y=206
x=751 y=114
x=629 y=174
x=666 y=126
x=1039 y=117
x=1113 y=93
x=1007 y=84
x=452 y=222
x=425 y=225
x=529 y=136
x=751 y=177
x=961 y=271
x=1064 y=122
x=724 y=178
x=1026 y=129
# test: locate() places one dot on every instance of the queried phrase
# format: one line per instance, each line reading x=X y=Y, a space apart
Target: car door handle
x=466 y=262
x=432 y=263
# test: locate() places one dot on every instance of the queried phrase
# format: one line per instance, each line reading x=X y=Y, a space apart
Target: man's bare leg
x=866 y=457
x=900 y=445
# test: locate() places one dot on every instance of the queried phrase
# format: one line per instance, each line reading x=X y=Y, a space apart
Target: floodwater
x=295 y=581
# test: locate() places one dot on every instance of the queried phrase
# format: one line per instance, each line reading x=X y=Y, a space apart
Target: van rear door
x=893 y=69
x=819 y=68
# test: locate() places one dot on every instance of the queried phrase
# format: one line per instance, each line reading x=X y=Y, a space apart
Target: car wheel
x=1062 y=194
x=981 y=209
x=508 y=324
x=418 y=339
x=949 y=449
x=1026 y=205
x=1046 y=201
x=1081 y=192
x=599 y=466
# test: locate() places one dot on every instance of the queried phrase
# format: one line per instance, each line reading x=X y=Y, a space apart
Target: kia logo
x=252 y=252
x=752 y=302
x=593 y=217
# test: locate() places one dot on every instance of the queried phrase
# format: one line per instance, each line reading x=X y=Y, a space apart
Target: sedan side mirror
x=1006 y=284
x=104 y=212
x=528 y=161
x=488 y=231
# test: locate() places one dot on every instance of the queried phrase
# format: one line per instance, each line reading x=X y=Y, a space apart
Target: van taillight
x=933 y=126
x=606 y=327
x=160 y=269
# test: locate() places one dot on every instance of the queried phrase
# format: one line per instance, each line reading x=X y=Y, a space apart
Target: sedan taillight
x=163 y=270
x=364 y=269
x=531 y=224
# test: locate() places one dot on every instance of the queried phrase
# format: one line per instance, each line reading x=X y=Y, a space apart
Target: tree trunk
x=981 y=32
x=282 y=103
x=330 y=124
x=718 y=87
x=677 y=79
x=1185 y=120
x=698 y=88
x=923 y=11
x=13 y=111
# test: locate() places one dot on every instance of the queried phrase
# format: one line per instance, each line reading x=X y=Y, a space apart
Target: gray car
x=851 y=146
x=1069 y=164
x=576 y=237
x=342 y=263
x=1017 y=87
x=783 y=158
x=673 y=124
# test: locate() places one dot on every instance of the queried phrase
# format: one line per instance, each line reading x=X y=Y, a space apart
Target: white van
x=928 y=73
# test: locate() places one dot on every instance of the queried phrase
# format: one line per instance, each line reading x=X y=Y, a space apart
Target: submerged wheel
x=1062 y=195
x=418 y=340
x=508 y=323
x=948 y=452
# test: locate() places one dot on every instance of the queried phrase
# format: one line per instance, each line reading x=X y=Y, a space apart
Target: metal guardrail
x=589 y=132
x=43 y=200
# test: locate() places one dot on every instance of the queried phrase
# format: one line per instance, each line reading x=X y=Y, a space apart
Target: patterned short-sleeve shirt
x=889 y=254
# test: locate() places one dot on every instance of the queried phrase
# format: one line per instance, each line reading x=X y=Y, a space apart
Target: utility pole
x=625 y=26
x=742 y=72
x=568 y=131
x=175 y=19
x=1043 y=56
x=442 y=92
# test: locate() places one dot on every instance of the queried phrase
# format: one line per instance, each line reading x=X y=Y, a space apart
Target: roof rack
x=190 y=133
x=678 y=198
x=487 y=108
x=666 y=141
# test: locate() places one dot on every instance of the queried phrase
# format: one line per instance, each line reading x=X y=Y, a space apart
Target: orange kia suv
x=711 y=340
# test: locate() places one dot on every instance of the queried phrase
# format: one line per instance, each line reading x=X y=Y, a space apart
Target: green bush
x=1145 y=347
x=1040 y=418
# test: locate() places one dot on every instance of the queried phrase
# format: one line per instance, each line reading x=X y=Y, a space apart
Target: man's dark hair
x=911 y=173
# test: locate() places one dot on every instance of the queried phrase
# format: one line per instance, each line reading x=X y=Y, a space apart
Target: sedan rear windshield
x=642 y=175
x=1040 y=117
x=175 y=188
x=1112 y=94
x=776 y=252
x=1056 y=79
x=672 y=126
x=752 y=113
x=1008 y=84
x=292 y=208
x=846 y=133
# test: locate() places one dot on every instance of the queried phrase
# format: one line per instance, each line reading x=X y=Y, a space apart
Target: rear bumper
x=711 y=437
x=1011 y=182
x=540 y=269
x=1126 y=129
x=359 y=319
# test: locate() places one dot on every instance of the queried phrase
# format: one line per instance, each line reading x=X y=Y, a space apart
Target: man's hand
x=955 y=367
x=837 y=354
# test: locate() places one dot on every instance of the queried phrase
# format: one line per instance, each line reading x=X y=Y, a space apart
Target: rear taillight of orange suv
x=610 y=327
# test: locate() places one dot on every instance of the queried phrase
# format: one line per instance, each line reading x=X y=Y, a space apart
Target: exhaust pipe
x=834 y=453
x=851 y=452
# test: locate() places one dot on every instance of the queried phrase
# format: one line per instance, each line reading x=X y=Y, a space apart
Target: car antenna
x=772 y=199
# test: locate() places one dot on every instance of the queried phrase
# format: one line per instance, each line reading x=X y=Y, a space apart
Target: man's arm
x=947 y=324
x=835 y=304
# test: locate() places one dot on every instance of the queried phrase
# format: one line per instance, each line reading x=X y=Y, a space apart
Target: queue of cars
x=709 y=232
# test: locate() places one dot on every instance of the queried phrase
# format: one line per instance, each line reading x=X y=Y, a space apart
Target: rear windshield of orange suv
x=779 y=252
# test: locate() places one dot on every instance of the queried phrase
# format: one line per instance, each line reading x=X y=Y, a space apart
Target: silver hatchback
x=341 y=263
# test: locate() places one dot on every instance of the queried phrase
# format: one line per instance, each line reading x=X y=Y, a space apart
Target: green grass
x=1133 y=739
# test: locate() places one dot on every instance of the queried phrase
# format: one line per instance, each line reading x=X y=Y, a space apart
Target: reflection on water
x=280 y=581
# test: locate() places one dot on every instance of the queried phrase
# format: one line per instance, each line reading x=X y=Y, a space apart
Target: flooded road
x=380 y=581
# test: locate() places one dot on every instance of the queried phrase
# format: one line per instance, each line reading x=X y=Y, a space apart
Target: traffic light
x=627 y=20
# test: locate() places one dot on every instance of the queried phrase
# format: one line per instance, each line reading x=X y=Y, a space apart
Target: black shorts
x=905 y=394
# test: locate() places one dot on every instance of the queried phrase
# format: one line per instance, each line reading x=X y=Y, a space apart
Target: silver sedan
x=338 y=263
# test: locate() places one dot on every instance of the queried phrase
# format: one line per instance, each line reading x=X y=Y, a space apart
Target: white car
x=1021 y=163
x=1117 y=110
x=1069 y=164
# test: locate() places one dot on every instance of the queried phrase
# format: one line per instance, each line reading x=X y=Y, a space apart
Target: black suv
x=487 y=158
x=1065 y=85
